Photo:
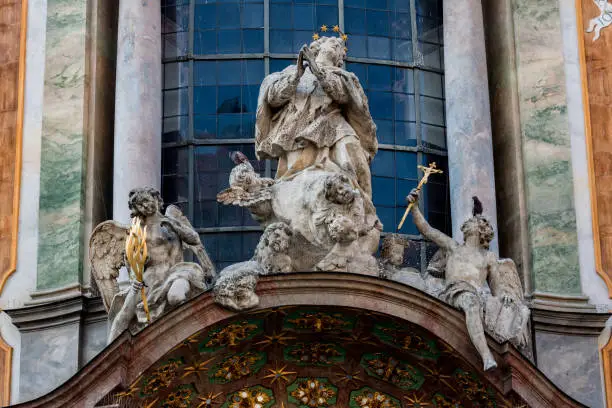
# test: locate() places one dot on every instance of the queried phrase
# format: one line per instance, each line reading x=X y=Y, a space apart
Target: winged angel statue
x=167 y=279
x=470 y=270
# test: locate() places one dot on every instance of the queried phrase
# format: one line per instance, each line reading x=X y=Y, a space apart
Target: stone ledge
x=58 y=312
x=566 y=315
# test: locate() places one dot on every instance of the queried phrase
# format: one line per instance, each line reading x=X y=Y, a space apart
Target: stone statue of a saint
x=469 y=270
x=315 y=114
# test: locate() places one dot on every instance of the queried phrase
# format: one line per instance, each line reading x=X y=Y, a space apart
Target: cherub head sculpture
x=144 y=202
x=393 y=247
x=339 y=190
x=276 y=237
x=235 y=287
x=329 y=51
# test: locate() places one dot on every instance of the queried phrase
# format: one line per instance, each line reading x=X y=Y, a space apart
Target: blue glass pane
x=204 y=100
x=408 y=228
x=205 y=42
x=403 y=189
x=229 y=72
x=281 y=41
x=230 y=126
x=229 y=42
x=433 y=136
x=429 y=8
x=176 y=102
x=277 y=65
x=383 y=191
x=301 y=38
x=176 y=129
x=379 y=47
x=404 y=80
x=399 y=5
x=404 y=107
x=379 y=77
x=229 y=100
x=175 y=160
x=401 y=26
x=405 y=133
x=253 y=41
x=431 y=55
x=205 y=127
x=204 y=73
x=354 y=3
x=280 y=16
x=432 y=111
x=175 y=19
x=406 y=163
x=205 y=16
x=387 y=217
x=253 y=71
x=230 y=247
x=248 y=126
x=304 y=17
x=378 y=23
x=249 y=98
x=252 y=16
x=384 y=131
x=354 y=21
x=205 y=215
x=360 y=70
x=176 y=75
x=402 y=50
x=431 y=84
x=357 y=46
x=175 y=189
x=384 y=164
x=327 y=15
x=436 y=196
x=228 y=15
x=230 y=216
x=377 y=4
x=381 y=104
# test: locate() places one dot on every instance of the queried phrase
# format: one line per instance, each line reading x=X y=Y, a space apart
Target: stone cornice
x=40 y=316
x=122 y=362
x=566 y=315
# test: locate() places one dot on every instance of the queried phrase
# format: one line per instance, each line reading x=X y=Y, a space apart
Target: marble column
x=468 y=118
x=138 y=103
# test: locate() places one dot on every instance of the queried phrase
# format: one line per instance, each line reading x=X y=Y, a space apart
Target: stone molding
x=566 y=315
x=127 y=357
x=41 y=316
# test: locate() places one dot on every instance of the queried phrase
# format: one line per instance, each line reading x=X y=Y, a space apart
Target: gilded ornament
x=161 y=378
x=312 y=392
x=254 y=397
x=181 y=398
x=369 y=398
x=318 y=321
x=416 y=401
x=321 y=354
x=274 y=339
x=348 y=378
x=279 y=374
x=208 y=400
x=197 y=369
x=231 y=335
x=390 y=369
x=238 y=366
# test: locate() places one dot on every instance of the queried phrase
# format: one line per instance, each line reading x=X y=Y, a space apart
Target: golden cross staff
x=427 y=171
x=136 y=254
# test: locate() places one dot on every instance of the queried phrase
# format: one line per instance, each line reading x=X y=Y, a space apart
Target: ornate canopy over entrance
x=317 y=340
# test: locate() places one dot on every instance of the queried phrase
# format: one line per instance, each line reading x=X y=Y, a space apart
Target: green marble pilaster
x=63 y=155
x=546 y=147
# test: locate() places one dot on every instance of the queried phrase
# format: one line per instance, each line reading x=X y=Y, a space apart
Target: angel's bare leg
x=470 y=305
x=126 y=314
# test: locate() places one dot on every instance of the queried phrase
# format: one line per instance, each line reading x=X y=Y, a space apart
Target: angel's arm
x=429 y=232
x=185 y=232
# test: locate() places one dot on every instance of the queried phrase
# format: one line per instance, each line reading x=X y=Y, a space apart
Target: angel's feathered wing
x=172 y=211
x=107 y=256
x=242 y=198
x=504 y=280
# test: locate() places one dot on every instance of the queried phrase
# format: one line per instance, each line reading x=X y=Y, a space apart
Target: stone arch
x=124 y=364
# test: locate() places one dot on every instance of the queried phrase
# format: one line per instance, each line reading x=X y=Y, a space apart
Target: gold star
x=275 y=339
x=279 y=374
x=315 y=37
x=437 y=376
x=197 y=368
x=344 y=37
x=336 y=29
x=416 y=401
x=208 y=400
x=323 y=28
x=349 y=378
x=152 y=403
x=187 y=342
x=129 y=393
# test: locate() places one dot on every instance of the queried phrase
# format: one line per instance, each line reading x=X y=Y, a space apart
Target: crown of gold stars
x=335 y=29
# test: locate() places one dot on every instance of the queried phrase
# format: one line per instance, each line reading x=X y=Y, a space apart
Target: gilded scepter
x=427 y=171
x=136 y=254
